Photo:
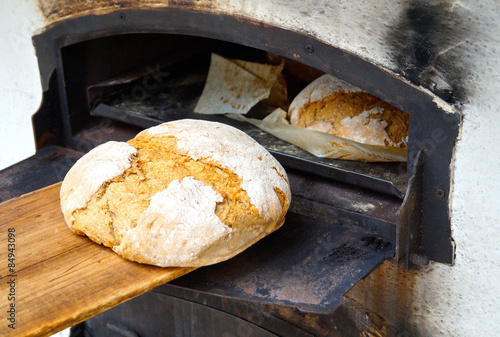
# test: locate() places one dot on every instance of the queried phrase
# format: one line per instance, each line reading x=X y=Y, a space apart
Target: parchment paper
x=235 y=86
x=323 y=144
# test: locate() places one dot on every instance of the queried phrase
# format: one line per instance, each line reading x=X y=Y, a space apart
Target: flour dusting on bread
x=234 y=150
x=182 y=221
x=103 y=163
x=364 y=129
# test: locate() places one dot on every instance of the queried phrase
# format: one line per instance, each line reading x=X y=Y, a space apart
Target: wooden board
x=60 y=278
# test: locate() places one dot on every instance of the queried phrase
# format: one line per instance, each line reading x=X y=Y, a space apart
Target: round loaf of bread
x=333 y=106
x=186 y=193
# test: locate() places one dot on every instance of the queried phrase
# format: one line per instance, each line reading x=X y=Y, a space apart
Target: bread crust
x=194 y=193
x=332 y=106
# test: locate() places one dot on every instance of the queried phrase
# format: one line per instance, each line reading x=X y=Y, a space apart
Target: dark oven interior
x=107 y=77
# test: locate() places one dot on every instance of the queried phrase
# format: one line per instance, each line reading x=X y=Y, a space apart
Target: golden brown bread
x=328 y=105
x=186 y=193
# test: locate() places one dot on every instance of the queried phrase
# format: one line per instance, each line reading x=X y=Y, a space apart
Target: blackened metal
x=47 y=166
x=47 y=123
x=120 y=115
x=77 y=330
x=435 y=139
x=158 y=313
x=306 y=267
x=343 y=205
x=344 y=196
x=409 y=229
x=100 y=130
x=343 y=217
x=271 y=317
x=389 y=178
x=154 y=74
x=120 y=329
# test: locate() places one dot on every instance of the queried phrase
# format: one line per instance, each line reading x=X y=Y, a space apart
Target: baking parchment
x=322 y=144
x=235 y=86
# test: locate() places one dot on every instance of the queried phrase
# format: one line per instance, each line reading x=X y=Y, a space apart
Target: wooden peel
x=61 y=278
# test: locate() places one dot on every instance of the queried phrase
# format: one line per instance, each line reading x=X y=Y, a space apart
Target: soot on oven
x=424 y=42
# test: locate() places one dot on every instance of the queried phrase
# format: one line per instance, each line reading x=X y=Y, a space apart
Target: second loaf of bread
x=331 y=105
x=186 y=193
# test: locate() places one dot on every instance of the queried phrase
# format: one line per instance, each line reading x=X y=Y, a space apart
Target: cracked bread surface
x=333 y=106
x=187 y=197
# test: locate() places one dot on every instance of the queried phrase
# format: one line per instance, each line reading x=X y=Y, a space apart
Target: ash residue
x=356 y=249
x=345 y=252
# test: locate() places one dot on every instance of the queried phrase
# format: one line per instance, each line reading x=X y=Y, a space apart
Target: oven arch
x=434 y=125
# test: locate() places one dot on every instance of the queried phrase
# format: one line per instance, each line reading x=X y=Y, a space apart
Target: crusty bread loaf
x=186 y=193
x=333 y=106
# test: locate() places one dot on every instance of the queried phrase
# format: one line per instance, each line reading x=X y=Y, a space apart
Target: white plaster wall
x=20 y=90
x=466 y=296
x=462 y=300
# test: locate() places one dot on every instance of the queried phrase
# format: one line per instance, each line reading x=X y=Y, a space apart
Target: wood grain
x=62 y=278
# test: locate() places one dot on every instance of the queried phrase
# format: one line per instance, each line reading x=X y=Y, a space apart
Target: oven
x=110 y=69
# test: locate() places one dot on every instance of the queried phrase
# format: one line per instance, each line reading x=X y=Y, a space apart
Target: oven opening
x=108 y=78
x=146 y=79
x=343 y=217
